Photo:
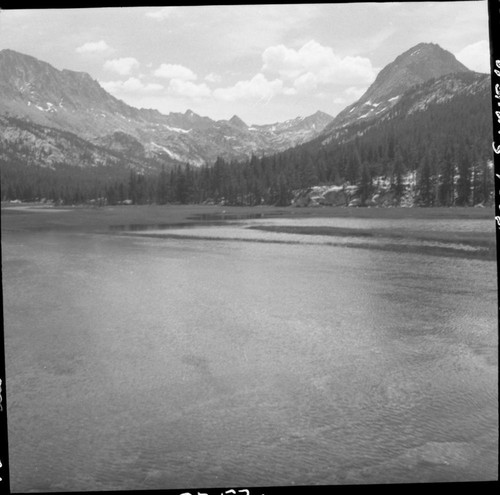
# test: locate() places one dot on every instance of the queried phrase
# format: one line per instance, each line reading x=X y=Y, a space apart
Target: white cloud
x=354 y=92
x=131 y=85
x=94 y=47
x=290 y=91
x=316 y=62
x=349 y=95
x=306 y=82
x=232 y=28
x=256 y=88
x=122 y=66
x=161 y=14
x=213 y=78
x=476 y=56
x=181 y=87
x=175 y=71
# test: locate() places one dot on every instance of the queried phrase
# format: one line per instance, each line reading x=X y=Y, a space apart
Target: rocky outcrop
x=323 y=196
x=383 y=195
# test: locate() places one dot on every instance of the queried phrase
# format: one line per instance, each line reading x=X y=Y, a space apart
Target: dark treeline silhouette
x=446 y=149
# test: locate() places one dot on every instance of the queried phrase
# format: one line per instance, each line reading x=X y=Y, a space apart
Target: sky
x=265 y=63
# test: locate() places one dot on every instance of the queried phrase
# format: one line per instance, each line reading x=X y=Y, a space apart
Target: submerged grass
x=474 y=239
x=482 y=244
x=34 y=218
x=87 y=218
x=478 y=252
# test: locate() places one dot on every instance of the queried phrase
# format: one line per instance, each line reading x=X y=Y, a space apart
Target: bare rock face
x=415 y=66
x=122 y=143
x=336 y=196
x=324 y=196
x=421 y=63
x=237 y=122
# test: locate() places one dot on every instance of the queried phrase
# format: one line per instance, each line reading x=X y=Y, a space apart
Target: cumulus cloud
x=175 y=71
x=476 y=56
x=188 y=89
x=122 y=66
x=315 y=64
x=259 y=88
x=131 y=85
x=306 y=82
x=94 y=47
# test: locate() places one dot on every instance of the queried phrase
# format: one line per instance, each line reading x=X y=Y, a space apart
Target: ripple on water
x=221 y=364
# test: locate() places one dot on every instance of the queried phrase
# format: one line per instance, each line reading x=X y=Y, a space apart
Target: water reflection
x=139 y=227
x=202 y=219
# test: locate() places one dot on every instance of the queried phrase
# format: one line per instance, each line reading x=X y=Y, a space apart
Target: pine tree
x=365 y=187
x=464 y=179
x=181 y=191
x=132 y=187
x=447 y=180
x=424 y=182
x=162 y=189
x=397 y=175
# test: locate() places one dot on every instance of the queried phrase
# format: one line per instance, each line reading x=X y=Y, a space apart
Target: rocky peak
x=191 y=120
x=319 y=119
x=28 y=80
x=237 y=122
x=417 y=65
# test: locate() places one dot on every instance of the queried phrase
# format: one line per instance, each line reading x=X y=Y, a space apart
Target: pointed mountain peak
x=195 y=117
x=418 y=64
x=26 y=81
x=415 y=66
x=237 y=122
x=319 y=115
x=429 y=54
x=317 y=120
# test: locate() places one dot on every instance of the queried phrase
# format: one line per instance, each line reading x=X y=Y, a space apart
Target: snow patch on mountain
x=177 y=129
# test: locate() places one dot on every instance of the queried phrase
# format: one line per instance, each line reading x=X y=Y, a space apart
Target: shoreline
x=33 y=217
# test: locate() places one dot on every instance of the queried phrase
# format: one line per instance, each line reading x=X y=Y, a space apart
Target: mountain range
x=63 y=100
x=424 y=108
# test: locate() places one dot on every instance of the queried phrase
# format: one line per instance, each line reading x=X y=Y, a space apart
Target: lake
x=230 y=355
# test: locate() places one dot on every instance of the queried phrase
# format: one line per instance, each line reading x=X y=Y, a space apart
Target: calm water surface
x=136 y=362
